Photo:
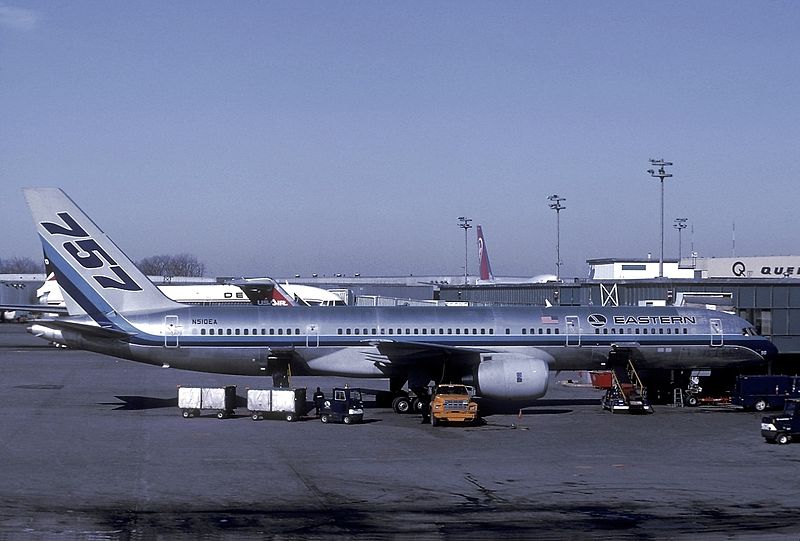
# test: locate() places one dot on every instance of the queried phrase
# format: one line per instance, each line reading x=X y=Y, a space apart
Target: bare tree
x=20 y=265
x=172 y=265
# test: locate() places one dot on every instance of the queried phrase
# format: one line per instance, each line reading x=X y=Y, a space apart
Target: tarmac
x=95 y=448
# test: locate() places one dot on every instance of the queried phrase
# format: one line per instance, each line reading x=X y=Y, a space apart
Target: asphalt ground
x=95 y=448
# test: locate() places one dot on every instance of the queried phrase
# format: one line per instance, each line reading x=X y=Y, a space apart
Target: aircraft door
x=573 y=337
x=716 y=332
x=312 y=335
x=172 y=332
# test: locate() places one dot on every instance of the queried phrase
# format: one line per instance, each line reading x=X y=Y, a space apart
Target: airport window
x=255 y=331
x=508 y=331
x=374 y=331
x=347 y=331
x=338 y=331
x=558 y=331
x=661 y=330
x=474 y=331
x=685 y=331
x=652 y=331
x=644 y=331
x=631 y=267
x=466 y=331
x=548 y=330
x=524 y=330
x=391 y=331
x=636 y=331
x=272 y=331
x=247 y=331
x=483 y=331
x=416 y=331
x=219 y=332
x=669 y=331
x=424 y=331
x=280 y=332
x=491 y=331
x=356 y=331
x=236 y=332
x=441 y=331
x=540 y=331
x=449 y=331
x=597 y=331
x=263 y=330
x=399 y=331
x=202 y=332
x=211 y=331
x=458 y=331
x=605 y=331
x=228 y=332
x=408 y=331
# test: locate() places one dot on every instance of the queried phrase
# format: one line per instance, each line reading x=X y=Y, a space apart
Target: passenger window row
x=661 y=330
x=245 y=332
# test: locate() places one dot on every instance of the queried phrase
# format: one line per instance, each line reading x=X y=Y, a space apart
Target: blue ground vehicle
x=344 y=406
x=765 y=392
x=783 y=427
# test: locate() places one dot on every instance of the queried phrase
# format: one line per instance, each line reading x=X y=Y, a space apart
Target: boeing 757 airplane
x=505 y=352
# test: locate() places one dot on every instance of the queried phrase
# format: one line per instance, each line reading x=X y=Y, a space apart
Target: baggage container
x=192 y=400
x=289 y=404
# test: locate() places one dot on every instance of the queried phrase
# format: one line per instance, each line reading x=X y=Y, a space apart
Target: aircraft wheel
x=186 y=414
x=782 y=439
x=290 y=417
x=761 y=405
x=254 y=416
x=324 y=418
x=347 y=420
x=220 y=415
x=692 y=400
x=401 y=404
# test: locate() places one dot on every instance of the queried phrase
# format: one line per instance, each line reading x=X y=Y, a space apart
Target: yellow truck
x=454 y=403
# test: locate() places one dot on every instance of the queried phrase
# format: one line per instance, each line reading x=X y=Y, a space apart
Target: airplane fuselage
x=346 y=341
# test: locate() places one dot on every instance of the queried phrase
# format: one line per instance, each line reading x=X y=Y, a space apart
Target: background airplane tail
x=483 y=258
x=96 y=276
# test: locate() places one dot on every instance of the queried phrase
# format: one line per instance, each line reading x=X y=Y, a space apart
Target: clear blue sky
x=282 y=137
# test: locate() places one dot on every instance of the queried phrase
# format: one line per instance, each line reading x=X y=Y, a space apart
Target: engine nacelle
x=512 y=377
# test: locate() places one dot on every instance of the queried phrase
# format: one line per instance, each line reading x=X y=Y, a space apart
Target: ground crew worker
x=319 y=399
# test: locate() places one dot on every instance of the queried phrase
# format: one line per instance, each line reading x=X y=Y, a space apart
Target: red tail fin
x=483 y=258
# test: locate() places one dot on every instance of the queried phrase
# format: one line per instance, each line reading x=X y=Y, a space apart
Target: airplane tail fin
x=483 y=258
x=93 y=272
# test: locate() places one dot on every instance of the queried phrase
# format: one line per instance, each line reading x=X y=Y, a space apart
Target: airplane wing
x=411 y=353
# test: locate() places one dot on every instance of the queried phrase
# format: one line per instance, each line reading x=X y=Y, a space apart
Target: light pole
x=558 y=207
x=660 y=173
x=464 y=223
x=680 y=225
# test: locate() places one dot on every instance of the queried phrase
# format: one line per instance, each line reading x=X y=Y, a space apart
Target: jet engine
x=506 y=376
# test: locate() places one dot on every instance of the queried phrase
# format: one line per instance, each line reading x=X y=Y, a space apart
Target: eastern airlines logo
x=89 y=255
x=599 y=320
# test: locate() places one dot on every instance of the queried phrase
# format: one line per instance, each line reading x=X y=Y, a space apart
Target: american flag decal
x=549 y=320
